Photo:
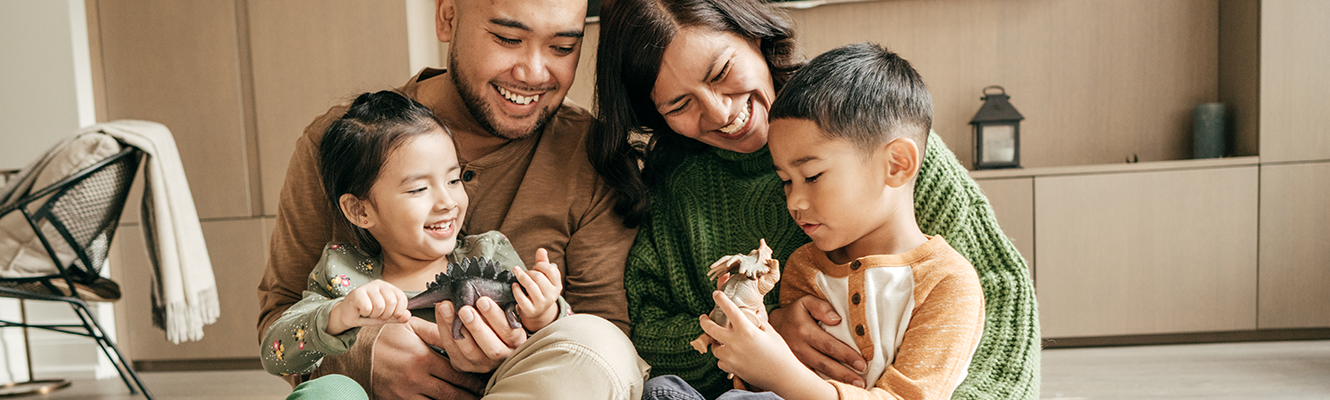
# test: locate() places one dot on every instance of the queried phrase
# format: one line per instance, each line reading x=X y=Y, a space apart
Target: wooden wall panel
x=1147 y=252
x=309 y=55
x=1295 y=260
x=238 y=249
x=177 y=63
x=1098 y=81
x=1240 y=71
x=1013 y=204
x=1295 y=59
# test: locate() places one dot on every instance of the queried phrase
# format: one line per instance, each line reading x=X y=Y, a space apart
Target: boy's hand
x=539 y=302
x=757 y=354
x=374 y=303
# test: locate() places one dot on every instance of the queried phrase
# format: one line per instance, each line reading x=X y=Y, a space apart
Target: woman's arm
x=663 y=305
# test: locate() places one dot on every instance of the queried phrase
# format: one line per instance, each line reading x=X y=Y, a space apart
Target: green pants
x=329 y=387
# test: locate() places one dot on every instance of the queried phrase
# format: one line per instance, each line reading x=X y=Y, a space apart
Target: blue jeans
x=670 y=387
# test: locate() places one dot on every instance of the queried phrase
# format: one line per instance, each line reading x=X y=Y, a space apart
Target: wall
x=45 y=83
x=1098 y=81
x=236 y=81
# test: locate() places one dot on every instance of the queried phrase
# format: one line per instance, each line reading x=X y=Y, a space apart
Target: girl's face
x=417 y=204
x=715 y=87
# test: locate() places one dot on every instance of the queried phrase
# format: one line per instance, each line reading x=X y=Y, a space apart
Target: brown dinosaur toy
x=751 y=276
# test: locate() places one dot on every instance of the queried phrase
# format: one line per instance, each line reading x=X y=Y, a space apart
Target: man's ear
x=355 y=211
x=902 y=161
x=445 y=13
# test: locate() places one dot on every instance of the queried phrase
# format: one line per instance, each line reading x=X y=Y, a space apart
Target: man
x=511 y=63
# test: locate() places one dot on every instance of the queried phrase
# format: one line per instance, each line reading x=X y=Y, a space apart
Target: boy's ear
x=445 y=13
x=355 y=211
x=902 y=161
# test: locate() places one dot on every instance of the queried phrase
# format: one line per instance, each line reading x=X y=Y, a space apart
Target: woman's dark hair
x=355 y=147
x=633 y=38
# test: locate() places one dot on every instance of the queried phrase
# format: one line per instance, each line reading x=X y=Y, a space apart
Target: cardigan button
x=859 y=330
x=855 y=299
x=468 y=175
x=854 y=266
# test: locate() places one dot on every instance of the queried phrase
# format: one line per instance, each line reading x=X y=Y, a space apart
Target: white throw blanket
x=184 y=295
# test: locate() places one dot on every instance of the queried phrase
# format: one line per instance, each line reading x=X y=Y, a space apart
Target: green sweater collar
x=758 y=161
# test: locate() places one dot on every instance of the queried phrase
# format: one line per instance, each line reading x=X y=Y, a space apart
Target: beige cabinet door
x=1147 y=252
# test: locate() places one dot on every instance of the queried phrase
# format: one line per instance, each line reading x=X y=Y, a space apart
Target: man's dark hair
x=859 y=92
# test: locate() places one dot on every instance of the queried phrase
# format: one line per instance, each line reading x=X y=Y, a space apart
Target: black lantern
x=997 y=132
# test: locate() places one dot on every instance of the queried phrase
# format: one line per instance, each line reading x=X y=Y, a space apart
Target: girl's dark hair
x=355 y=147
x=633 y=38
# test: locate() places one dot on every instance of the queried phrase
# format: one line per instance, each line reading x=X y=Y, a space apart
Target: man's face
x=514 y=60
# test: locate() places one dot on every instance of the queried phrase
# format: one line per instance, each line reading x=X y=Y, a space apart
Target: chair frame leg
x=109 y=348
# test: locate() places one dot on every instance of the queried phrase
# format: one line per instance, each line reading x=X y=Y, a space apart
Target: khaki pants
x=576 y=357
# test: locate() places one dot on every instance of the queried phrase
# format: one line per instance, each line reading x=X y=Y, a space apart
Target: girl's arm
x=298 y=340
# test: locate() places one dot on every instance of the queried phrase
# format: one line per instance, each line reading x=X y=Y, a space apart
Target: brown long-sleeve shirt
x=540 y=190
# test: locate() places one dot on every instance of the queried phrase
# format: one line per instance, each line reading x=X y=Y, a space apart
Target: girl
x=392 y=170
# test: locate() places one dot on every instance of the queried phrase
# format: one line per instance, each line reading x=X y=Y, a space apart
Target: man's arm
x=594 y=259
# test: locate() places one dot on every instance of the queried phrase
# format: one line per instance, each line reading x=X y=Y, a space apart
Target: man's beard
x=482 y=113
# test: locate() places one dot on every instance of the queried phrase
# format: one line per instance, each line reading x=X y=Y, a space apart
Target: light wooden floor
x=1275 y=370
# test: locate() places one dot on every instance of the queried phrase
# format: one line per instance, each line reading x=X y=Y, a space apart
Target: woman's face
x=715 y=87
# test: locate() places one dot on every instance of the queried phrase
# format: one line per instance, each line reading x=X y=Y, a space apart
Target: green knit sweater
x=718 y=203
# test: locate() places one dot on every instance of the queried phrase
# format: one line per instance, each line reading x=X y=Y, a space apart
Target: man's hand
x=814 y=346
x=405 y=367
x=486 y=338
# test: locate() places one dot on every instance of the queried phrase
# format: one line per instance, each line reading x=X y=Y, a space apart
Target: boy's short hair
x=861 y=92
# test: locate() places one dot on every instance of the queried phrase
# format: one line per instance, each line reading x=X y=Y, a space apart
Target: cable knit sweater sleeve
x=948 y=203
x=715 y=203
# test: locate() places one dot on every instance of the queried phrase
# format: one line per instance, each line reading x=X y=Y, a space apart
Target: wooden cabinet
x=1163 y=247
x=1147 y=252
x=1295 y=257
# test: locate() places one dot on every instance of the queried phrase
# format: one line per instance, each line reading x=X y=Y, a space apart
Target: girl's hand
x=757 y=354
x=539 y=303
x=374 y=303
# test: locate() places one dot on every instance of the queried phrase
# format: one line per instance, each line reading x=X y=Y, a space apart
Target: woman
x=696 y=77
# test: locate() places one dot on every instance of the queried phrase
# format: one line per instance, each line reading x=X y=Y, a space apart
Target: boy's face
x=513 y=61
x=837 y=193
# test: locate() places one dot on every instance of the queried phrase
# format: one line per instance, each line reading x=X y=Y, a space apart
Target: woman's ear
x=902 y=159
x=355 y=211
x=445 y=13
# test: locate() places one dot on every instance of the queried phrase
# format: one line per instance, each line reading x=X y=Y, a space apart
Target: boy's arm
x=935 y=353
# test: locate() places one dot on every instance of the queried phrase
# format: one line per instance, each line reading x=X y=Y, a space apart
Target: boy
x=847 y=136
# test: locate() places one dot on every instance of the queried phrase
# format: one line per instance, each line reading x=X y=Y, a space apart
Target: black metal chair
x=84 y=209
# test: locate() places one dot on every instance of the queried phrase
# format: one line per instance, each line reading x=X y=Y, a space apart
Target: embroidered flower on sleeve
x=367 y=265
x=300 y=335
x=277 y=349
x=340 y=281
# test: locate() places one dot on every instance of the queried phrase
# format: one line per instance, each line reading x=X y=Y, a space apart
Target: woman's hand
x=374 y=303
x=757 y=354
x=486 y=338
x=539 y=302
x=816 y=348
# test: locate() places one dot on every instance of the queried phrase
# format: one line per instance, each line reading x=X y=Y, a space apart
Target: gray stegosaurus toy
x=467 y=281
